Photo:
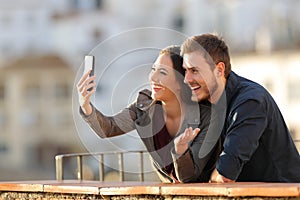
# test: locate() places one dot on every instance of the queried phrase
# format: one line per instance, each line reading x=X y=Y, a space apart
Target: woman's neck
x=173 y=108
x=173 y=112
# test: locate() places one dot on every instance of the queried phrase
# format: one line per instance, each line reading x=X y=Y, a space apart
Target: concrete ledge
x=73 y=189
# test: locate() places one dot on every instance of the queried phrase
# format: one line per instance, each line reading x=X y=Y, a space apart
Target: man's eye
x=194 y=71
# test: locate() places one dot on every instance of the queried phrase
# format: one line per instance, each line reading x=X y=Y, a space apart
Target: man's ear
x=220 y=69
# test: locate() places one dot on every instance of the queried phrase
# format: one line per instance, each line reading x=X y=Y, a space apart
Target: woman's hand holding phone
x=86 y=86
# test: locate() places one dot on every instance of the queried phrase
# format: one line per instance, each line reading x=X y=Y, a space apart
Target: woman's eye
x=163 y=72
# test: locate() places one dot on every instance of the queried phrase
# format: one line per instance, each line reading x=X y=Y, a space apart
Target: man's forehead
x=192 y=59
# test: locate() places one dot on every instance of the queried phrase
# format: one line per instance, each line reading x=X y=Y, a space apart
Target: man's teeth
x=195 y=88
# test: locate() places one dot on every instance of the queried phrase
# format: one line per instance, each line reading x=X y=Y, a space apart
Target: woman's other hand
x=181 y=142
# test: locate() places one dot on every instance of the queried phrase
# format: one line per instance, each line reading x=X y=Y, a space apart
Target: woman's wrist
x=181 y=150
x=87 y=109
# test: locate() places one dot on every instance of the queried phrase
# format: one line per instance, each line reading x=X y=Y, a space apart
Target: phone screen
x=89 y=64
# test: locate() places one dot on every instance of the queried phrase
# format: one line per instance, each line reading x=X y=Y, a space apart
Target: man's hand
x=181 y=142
x=218 y=178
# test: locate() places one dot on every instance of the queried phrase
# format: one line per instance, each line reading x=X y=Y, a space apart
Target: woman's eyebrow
x=161 y=67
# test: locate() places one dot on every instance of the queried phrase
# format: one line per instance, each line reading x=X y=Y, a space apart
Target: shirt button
x=140 y=105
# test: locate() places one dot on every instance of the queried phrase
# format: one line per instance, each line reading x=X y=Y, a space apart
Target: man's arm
x=246 y=124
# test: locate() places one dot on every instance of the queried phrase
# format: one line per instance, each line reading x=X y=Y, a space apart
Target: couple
x=253 y=143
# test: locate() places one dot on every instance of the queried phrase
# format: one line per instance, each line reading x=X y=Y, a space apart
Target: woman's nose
x=153 y=76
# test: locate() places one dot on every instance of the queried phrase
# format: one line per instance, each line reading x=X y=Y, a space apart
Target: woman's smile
x=157 y=87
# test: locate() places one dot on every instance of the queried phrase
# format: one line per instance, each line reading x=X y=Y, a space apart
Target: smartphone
x=89 y=64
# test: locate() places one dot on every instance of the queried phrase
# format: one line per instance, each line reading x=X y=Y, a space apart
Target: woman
x=160 y=120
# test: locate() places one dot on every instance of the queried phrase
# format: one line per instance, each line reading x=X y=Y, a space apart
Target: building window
x=60 y=119
x=32 y=92
x=293 y=90
x=75 y=4
x=30 y=118
x=2 y=91
x=62 y=91
x=97 y=34
x=99 y=4
x=178 y=22
x=3 y=148
x=3 y=119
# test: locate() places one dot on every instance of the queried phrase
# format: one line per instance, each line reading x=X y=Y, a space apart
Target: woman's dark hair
x=174 y=52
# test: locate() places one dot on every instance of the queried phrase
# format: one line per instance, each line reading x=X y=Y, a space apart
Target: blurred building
x=35 y=112
x=279 y=73
x=248 y=25
x=25 y=28
x=36 y=90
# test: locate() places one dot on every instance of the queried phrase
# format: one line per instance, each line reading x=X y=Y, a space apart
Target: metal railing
x=59 y=163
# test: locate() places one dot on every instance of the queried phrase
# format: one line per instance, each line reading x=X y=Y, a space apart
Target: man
x=257 y=145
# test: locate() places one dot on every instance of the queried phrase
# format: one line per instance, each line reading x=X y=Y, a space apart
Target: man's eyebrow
x=188 y=65
x=193 y=68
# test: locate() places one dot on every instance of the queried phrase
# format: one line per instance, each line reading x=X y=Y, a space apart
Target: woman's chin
x=156 y=97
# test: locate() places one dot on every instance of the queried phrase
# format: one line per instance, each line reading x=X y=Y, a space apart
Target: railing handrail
x=99 y=153
x=60 y=167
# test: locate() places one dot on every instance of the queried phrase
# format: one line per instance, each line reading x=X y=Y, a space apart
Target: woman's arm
x=104 y=126
x=110 y=126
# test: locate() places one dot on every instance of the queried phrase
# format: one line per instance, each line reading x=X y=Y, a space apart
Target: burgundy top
x=163 y=141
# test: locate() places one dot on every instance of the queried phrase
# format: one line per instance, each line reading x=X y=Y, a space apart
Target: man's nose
x=187 y=77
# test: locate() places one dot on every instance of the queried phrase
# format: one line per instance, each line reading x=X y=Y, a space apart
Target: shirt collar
x=231 y=86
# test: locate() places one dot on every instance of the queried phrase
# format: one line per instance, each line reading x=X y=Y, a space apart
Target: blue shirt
x=257 y=145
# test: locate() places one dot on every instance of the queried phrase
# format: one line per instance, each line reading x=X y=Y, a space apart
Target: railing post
x=59 y=167
x=121 y=167
x=79 y=168
x=141 y=166
x=101 y=167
